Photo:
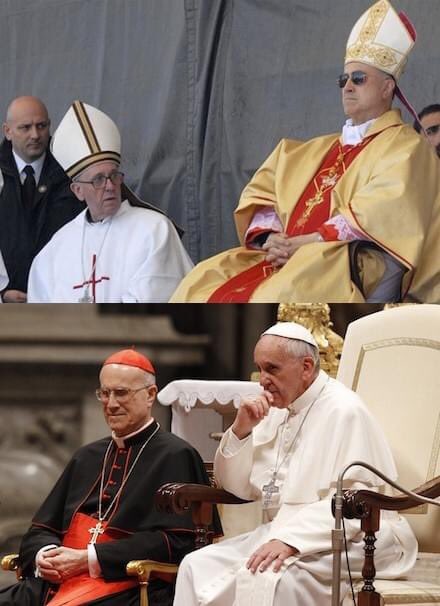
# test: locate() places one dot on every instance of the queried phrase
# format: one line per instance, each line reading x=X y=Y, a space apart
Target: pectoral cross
x=268 y=490
x=310 y=205
x=330 y=181
x=95 y=532
x=92 y=281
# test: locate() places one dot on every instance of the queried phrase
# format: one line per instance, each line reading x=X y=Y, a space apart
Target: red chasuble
x=311 y=211
x=82 y=589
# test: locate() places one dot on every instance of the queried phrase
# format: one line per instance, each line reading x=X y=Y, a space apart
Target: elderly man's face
x=370 y=99
x=431 y=125
x=102 y=201
x=130 y=412
x=284 y=376
x=27 y=127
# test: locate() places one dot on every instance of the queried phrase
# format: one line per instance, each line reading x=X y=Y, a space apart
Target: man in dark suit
x=35 y=197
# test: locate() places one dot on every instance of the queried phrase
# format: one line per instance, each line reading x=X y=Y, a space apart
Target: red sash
x=82 y=589
x=306 y=218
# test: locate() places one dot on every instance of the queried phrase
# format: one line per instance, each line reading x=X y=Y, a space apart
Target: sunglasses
x=432 y=130
x=357 y=77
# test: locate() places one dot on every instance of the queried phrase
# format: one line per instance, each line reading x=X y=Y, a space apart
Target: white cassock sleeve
x=233 y=465
x=166 y=263
x=4 y=279
x=40 y=278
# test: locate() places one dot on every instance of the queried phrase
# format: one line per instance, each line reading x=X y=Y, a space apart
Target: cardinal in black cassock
x=103 y=502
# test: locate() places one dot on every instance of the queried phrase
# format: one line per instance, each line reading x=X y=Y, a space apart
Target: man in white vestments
x=113 y=251
x=286 y=449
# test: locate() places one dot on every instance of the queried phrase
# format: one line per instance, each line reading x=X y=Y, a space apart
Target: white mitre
x=84 y=137
x=291 y=330
x=382 y=38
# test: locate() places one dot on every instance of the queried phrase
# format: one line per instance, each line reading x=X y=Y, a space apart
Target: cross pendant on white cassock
x=95 y=532
x=268 y=490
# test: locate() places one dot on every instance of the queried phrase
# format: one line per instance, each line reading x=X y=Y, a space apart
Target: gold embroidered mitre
x=84 y=137
x=381 y=38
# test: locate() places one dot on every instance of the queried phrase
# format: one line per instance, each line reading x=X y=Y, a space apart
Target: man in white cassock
x=286 y=449
x=113 y=251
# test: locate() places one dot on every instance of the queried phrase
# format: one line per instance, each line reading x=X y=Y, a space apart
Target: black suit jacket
x=24 y=232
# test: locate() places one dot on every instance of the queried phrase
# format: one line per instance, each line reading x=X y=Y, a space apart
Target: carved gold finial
x=316 y=318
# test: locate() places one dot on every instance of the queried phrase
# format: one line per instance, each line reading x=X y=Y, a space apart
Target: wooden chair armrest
x=365 y=505
x=358 y=503
x=178 y=498
x=197 y=498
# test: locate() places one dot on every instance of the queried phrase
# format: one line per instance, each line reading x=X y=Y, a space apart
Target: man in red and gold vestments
x=312 y=204
x=100 y=513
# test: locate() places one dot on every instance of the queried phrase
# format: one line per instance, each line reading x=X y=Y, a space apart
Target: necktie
x=29 y=186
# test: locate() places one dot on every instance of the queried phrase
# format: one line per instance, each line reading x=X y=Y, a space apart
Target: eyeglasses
x=121 y=394
x=357 y=77
x=432 y=130
x=100 y=181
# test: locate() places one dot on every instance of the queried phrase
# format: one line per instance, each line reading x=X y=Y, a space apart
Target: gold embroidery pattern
x=269 y=270
x=365 y=47
x=324 y=181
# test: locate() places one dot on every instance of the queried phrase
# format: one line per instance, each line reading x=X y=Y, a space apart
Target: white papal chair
x=392 y=359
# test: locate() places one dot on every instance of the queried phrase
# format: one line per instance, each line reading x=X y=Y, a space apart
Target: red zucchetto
x=131 y=357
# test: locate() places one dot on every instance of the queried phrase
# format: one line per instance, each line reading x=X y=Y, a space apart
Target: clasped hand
x=61 y=563
x=280 y=247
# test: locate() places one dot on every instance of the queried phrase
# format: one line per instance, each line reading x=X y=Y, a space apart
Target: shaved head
x=22 y=106
x=27 y=127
